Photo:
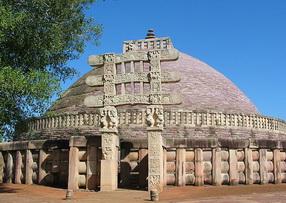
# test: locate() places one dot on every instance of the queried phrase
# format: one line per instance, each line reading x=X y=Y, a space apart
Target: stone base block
x=109 y=175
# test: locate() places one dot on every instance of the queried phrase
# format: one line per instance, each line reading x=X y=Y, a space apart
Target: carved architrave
x=94 y=101
x=155 y=99
x=109 y=58
x=100 y=100
x=170 y=77
x=166 y=77
x=131 y=77
x=157 y=43
x=94 y=80
x=165 y=55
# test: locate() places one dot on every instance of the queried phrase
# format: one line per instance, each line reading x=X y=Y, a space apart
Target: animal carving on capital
x=155 y=116
x=108 y=117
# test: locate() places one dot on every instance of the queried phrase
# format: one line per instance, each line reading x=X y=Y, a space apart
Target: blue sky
x=243 y=39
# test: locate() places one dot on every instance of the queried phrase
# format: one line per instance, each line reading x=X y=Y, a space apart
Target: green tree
x=37 y=38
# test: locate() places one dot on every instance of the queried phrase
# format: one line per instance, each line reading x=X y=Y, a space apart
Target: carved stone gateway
x=154 y=76
x=149 y=51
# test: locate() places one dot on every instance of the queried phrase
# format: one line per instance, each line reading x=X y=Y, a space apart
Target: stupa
x=147 y=118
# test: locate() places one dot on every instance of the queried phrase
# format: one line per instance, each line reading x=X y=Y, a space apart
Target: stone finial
x=150 y=34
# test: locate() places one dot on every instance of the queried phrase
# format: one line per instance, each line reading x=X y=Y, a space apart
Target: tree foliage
x=37 y=38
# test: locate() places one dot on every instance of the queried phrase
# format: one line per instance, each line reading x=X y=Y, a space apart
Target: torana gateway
x=147 y=118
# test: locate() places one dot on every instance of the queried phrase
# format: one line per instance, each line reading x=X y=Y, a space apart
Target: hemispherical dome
x=204 y=88
x=201 y=87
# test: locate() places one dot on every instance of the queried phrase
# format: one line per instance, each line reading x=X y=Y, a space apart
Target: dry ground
x=11 y=193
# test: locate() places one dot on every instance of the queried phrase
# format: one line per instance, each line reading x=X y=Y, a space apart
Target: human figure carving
x=112 y=114
x=149 y=117
x=103 y=118
x=160 y=117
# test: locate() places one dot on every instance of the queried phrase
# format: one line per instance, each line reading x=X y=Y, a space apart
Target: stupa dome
x=204 y=88
x=201 y=87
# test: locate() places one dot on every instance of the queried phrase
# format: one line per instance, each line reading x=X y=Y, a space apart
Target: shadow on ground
x=4 y=188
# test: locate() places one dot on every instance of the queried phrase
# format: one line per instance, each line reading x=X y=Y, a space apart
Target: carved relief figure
x=160 y=117
x=109 y=117
x=155 y=75
x=109 y=58
x=155 y=98
x=112 y=113
x=155 y=116
x=103 y=118
x=149 y=117
x=108 y=77
x=154 y=55
x=107 y=147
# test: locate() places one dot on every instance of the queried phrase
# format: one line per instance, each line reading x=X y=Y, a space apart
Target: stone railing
x=64 y=121
x=171 y=118
x=219 y=119
x=156 y=43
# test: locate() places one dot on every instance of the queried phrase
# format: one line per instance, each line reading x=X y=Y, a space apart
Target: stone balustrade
x=157 y=43
x=171 y=118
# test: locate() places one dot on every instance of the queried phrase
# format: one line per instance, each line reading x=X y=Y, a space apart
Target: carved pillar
x=216 y=166
x=155 y=159
x=109 y=162
x=248 y=166
x=28 y=167
x=155 y=120
x=9 y=168
x=233 y=170
x=18 y=168
x=199 y=167
x=263 y=166
x=73 y=165
x=109 y=144
x=42 y=172
x=180 y=167
x=2 y=164
x=277 y=166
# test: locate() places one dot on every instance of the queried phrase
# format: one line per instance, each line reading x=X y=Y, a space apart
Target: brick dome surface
x=202 y=88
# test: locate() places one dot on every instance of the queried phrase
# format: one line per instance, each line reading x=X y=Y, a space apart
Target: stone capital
x=109 y=130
